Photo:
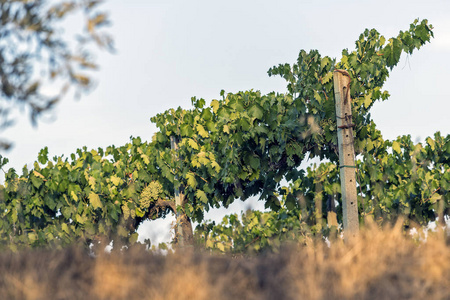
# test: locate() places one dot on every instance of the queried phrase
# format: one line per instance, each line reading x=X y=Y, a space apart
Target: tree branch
x=162 y=203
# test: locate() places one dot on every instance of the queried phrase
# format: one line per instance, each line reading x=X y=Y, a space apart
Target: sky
x=169 y=51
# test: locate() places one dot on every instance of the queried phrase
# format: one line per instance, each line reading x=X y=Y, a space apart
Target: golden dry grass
x=379 y=264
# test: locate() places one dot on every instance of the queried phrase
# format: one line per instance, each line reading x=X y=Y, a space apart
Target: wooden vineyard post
x=183 y=227
x=346 y=153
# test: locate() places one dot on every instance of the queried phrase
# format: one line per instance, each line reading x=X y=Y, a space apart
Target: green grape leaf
x=36 y=181
x=256 y=111
x=43 y=156
x=367 y=100
x=254 y=162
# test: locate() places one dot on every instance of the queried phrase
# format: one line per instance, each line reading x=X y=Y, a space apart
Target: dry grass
x=380 y=264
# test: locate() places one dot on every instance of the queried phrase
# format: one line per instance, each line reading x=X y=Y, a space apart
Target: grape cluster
x=126 y=211
x=133 y=213
x=150 y=193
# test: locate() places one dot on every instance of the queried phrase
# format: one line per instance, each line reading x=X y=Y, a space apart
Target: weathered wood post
x=346 y=152
x=183 y=227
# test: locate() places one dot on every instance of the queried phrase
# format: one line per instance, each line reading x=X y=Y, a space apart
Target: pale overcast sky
x=169 y=51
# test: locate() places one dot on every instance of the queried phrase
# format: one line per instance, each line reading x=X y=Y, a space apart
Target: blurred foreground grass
x=380 y=264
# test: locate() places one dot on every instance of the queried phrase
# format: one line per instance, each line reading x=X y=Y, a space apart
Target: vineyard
x=247 y=145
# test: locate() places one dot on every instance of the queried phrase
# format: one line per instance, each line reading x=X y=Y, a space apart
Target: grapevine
x=243 y=145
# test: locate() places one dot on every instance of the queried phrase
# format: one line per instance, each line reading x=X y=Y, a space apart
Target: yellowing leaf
x=203 y=160
x=37 y=174
x=209 y=244
x=116 y=180
x=435 y=198
x=216 y=166
x=327 y=77
x=201 y=131
x=193 y=144
x=317 y=97
x=195 y=163
x=32 y=237
x=79 y=164
x=431 y=142
x=325 y=61
x=201 y=196
x=191 y=181
x=74 y=195
x=396 y=147
x=80 y=219
x=92 y=182
x=94 y=200
x=221 y=247
x=226 y=129
x=65 y=228
x=215 y=105
x=145 y=158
